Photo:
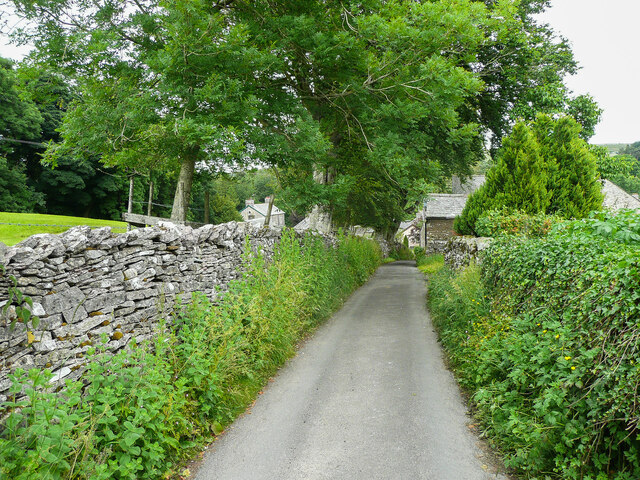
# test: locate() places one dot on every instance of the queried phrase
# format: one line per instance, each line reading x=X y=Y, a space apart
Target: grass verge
x=10 y=233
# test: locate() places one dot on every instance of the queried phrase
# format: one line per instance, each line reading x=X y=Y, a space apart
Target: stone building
x=440 y=209
x=256 y=214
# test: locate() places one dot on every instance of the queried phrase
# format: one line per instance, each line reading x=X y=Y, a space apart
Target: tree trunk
x=267 y=220
x=183 y=189
x=130 y=205
x=320 y=217
x=149 y=203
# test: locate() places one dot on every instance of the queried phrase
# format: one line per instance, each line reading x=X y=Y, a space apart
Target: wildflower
x=567 y=358
x=573 y=368
x=557 y=336
x=544 y=331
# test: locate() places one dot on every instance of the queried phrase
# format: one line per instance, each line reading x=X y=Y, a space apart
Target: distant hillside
x=613 y=148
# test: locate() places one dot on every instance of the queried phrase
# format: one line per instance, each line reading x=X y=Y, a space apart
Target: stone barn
x=440 y=209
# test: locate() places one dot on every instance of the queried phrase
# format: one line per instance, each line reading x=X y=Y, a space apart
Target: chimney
x=248 y=202
x=267 y=199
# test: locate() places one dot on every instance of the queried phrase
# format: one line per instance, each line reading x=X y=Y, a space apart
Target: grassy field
x=31 y=223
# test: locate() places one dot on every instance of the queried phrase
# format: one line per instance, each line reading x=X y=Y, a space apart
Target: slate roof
x=404 y=225
x=473 y=183
x=444 y=205
x=303 y=225
x=262 y=208
x=615 y=198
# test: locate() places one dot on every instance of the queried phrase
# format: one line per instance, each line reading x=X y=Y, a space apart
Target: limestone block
x=45 y=272
x=60 y=374
x=130 y=273
x=78 y=329
x=75 y=239
x=134 y=284
x=93 y=255
x=24 y=281
x=51 y=322
x=19 y=257
x=98 y=332
x=141 y=294
x=123 y=312
x=63 y=301
x=105 y=302
x=37 y=309
x=55 y=260
x=98 y=236
x=74 y=314
x=44 y=342
x=75 y=262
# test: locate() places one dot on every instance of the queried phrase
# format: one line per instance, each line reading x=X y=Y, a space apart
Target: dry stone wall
x=460 y=251
x=87 y=285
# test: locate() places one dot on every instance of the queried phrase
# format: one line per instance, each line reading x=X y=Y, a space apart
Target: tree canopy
x=378 y=98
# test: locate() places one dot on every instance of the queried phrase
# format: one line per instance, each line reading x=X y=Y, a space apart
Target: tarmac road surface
x=367 y=397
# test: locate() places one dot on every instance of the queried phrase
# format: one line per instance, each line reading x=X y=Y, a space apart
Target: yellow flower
x=557 y=336
x=567 y=358
x=544 y=331
x=573 y=368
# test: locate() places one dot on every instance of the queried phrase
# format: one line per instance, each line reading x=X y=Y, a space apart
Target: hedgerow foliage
x=542 y=168
x=500 y=222
x=548 y=341
x=145 y=410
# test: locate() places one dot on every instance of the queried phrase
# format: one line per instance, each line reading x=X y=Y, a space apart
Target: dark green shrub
x=572 y=166
x=400 y=252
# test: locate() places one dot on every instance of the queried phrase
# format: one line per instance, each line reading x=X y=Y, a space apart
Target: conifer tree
x=518 y=181
x=572 y=166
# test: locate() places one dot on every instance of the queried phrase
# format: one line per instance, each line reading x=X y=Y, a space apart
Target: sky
x=605 y=42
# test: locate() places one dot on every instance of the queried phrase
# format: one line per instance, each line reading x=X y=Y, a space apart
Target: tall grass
x=146 y=410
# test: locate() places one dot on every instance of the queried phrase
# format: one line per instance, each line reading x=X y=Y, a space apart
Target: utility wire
x=37 y=144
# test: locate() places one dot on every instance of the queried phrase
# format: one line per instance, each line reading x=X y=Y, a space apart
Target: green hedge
x=505 y=221
x=145 y=411
x=551 y=354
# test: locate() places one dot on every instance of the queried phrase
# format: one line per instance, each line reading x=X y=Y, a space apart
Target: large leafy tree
x=163 y=84
x=20 y=125
x=376 y=99
x=523 y=64
x=382 y=83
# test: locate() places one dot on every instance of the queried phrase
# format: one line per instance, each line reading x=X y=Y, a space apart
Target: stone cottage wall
x=90 y=284
x=438 y=234
x=460 y=251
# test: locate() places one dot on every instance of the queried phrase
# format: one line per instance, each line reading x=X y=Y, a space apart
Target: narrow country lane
x=368 y=397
